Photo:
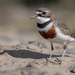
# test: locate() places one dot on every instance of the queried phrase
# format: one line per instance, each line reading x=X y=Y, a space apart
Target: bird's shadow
x=28 y=54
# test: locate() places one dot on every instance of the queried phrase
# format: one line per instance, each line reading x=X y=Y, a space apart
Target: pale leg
x=49 y=60
x=52 y=48
x=63 y=54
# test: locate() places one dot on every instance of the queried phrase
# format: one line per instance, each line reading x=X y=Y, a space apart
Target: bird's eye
x=44 y=13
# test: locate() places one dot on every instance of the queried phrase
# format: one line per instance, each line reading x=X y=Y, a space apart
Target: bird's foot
x=47 y=61
x=59 y=61
x=56 y=61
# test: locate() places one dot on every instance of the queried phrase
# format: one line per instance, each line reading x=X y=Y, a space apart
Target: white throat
x=45 y=29
x=42 y=20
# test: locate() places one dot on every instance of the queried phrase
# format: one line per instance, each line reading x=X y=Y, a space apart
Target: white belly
x=61 y=38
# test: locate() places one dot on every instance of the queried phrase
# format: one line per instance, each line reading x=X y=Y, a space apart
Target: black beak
x=33 y=17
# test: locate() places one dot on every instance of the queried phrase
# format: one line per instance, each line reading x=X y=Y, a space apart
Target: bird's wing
x=64 y=29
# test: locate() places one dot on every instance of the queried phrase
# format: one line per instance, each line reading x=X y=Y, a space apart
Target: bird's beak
x=33 y=17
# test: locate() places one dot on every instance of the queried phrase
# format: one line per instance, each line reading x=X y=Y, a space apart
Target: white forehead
x=39 y=12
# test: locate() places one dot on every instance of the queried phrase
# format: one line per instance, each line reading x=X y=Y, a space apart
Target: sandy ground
x=17 y=55
x=17 y=30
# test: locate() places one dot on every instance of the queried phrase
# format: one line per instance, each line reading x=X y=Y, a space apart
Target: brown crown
x=48 y=13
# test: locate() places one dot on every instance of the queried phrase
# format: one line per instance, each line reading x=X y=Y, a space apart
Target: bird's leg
x=48 y=60
x=52 y=48
x=63 y=54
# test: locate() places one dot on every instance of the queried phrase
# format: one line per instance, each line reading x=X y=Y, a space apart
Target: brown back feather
x=64 y=29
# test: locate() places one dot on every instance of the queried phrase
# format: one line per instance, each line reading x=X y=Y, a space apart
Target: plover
x=53 y=29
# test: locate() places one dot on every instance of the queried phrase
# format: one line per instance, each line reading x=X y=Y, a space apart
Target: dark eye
x=44 y=13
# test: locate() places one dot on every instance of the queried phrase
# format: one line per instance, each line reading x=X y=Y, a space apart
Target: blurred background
x=16 y=27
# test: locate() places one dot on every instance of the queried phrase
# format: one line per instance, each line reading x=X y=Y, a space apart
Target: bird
x=53 y=30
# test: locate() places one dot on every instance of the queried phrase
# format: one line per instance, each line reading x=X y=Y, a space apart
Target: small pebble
x=13 y=62
x=62 y=73
x=33 y=47
x=29 y=65
x=5 y=63
x=0 y=65
x=22 y=47
x=72 y=68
